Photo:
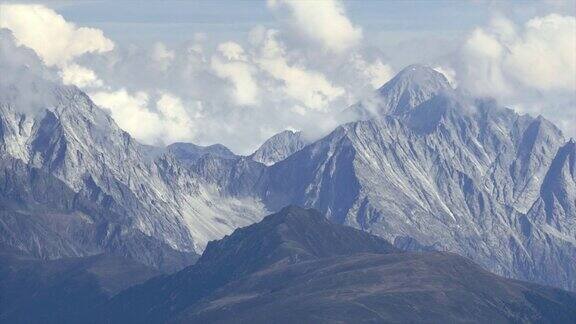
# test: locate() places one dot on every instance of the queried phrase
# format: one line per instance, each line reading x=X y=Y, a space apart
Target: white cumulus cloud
x=529 y=66
x=240 y=74
x=232 y=51
x=74 y=74
x=540 y=55
x=54 y=39
x=322 y=22
x=178 y=124
x=167 y=122
x=449 y=73
x=306 y=86
x=543 y=55
x=376 y=72
x=131 y=113
x=162 y=56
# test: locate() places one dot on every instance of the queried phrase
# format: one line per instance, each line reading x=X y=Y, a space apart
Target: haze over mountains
x=427 y=167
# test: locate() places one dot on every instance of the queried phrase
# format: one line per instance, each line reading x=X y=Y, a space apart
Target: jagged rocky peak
x=279 y=147
x=556 y=207
x=190 y=153
x=418 y=76
x=411 y=87
x=414 y=85
x=539 y=135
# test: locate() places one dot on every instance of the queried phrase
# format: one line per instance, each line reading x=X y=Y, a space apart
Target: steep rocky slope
x=427 y=167
x=74 y=184
x=190 y=153
x=279 y=147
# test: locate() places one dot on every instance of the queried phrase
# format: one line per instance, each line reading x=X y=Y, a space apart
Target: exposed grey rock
x=411 y=87
x=190 y=153
x=279 y=147
x=445 y=171
x=143 y=202
x=430 y=167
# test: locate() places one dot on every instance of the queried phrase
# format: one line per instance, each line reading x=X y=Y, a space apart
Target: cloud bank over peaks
x=235 y=92
x=230 y=63
x=307 y=87
x=74 y=74
x=531 y=66
x=25 y=82
x=298 y=74
x=57 y=42
x=170 y=121
x=538 y=55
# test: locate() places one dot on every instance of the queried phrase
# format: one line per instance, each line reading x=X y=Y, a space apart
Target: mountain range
x=431 y=168
x=425 y=166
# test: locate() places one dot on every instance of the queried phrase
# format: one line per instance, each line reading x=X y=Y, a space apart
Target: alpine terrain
x=431 y=168
x=425 y=166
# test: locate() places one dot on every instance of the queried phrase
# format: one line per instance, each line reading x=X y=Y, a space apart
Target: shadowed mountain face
x=61 y=291
x=295 y=266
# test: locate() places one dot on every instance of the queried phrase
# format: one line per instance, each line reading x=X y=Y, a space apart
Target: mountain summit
x=412 y=86
x=279 y=147
x=292 y=234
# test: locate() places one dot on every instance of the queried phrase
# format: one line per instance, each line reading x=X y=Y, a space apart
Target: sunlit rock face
x=279 y=147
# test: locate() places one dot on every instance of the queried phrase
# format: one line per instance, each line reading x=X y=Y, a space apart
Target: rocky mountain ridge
x=426 y=167
x=443 y=171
